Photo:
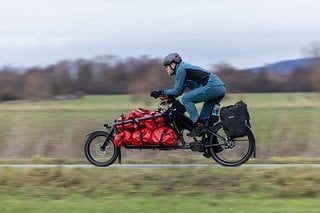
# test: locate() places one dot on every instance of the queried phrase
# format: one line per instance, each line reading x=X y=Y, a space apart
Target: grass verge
x=203 y=203
x=160 y=190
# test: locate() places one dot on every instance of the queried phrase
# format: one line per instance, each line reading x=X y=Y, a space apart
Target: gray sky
x=244 y=33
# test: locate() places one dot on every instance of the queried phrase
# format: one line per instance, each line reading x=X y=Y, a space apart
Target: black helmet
x=172 y=57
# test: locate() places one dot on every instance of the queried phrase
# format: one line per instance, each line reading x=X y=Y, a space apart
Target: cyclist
x=204 y=86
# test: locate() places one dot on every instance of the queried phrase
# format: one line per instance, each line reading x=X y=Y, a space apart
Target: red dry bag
x=156 y=120
x=124 y=123
x=142 y=137
x=123 y=138
x=164 y=135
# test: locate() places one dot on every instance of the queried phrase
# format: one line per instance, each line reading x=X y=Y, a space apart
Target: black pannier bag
x=234 y=119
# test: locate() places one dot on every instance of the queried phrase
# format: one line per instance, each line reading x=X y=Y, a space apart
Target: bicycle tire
x=90 y=152
x=225 y=157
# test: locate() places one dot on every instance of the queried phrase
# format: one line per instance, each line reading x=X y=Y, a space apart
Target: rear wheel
x=96 y=154
x=235 y=151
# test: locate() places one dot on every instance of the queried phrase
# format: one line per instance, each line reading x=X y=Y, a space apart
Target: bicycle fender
x=254 y=144
x=96 y=132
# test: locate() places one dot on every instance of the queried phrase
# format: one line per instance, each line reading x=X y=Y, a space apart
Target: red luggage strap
x=162 y=135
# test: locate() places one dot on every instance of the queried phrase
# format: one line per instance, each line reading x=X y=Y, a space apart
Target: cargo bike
x=228 y=138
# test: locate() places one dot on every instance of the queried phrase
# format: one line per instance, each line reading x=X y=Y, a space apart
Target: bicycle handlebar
x=166 y=99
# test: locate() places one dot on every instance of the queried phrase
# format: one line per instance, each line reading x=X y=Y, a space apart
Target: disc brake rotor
x=100 y=151
x=230 y=144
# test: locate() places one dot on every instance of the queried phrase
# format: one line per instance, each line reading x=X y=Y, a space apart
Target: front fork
x=111 y=131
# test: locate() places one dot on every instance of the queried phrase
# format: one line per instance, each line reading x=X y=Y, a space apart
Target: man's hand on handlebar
x=164 y=98
x=155 y=94
x=167 y=99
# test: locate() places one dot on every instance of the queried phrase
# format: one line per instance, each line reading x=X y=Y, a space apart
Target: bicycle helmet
x=172 y=57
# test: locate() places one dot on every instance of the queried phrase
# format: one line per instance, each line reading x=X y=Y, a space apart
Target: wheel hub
x=99 y=150
x=230 y=144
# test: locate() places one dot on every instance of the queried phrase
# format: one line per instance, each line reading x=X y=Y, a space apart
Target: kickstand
x=119 y=157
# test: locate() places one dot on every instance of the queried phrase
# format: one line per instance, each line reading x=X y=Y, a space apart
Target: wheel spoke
x=235 y=152
x=96 y=154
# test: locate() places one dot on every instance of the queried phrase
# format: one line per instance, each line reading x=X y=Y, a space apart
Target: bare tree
x=314 y=51
x=315 y=78
x=36 y=84
x=141 y=75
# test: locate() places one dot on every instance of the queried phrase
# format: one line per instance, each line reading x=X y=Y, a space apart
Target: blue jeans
x=202 y=94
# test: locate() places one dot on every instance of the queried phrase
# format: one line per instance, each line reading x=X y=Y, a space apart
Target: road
x=145 y=166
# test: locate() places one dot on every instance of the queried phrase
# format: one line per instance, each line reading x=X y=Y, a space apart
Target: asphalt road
x=147 y=166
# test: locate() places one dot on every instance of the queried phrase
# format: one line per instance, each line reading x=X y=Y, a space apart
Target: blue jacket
x=190 y=76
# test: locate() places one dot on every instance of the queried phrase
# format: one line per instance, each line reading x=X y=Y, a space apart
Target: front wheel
x=234 y=151
x=96 y=154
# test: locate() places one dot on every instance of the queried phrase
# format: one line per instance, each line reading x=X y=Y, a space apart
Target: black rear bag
x=234 y=119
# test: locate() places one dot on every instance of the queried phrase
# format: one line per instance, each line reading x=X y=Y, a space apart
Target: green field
x=201 y=203
x=170 y=204
x=204 y=189
x=286 y=126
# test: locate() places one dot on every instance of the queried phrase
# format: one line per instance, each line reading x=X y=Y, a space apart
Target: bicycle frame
x=183 y=145
x=210 y=143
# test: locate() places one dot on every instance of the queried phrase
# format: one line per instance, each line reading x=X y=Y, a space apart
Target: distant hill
x=287 y=66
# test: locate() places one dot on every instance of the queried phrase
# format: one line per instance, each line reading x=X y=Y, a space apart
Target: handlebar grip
x=167 y=99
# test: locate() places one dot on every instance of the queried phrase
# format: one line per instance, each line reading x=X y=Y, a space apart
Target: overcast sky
x=244 y=33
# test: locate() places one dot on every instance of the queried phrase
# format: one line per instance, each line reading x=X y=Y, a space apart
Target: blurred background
x=67 y=67
x=49 y=49
x=268 y=54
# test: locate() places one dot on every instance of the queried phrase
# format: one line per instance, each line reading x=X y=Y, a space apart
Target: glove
x=156 y=93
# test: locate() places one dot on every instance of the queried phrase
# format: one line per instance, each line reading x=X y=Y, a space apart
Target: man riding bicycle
x=204 y=87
